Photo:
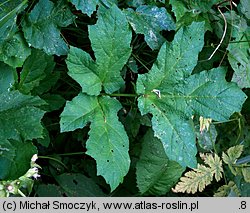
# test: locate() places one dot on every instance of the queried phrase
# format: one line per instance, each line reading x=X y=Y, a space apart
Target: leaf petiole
x=54 y=159
x=21 y=193
x=120 y=95
x=221 y=122
x=72 y=153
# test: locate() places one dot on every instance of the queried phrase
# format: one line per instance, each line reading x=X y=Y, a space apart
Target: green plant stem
x=240 y=132
x=121 y=95
x=232 y=42
x=221 y=122
x=140 y=61
x=21 y=193
x=241 y=166
x=73 y=153
x=224 y=176
x=54 y=159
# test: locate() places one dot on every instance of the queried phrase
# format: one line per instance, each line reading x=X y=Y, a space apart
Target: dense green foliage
x=122 y=97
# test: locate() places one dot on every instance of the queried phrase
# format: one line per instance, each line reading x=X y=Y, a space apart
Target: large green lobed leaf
x=244 y=7
x=15 y=50
x=78 y=185
x=15 y=158
x=86 y=6
x=208 y=94
x=89 y=6
x=155 y=173
x=34 y=70
x=42 y=26
x=187 y=12
x=181 y=7
x=19 y=114
x=110 y=39
x=7 y=77
x=203 y=6
x=108 y=142
x=150 y=21
x=239 y=55
x=172 y=95
x=20 y=120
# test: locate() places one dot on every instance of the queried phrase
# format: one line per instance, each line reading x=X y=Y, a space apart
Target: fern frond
x=228 y=189
x=215 y=164
x=195 y=180
x=199 y=178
